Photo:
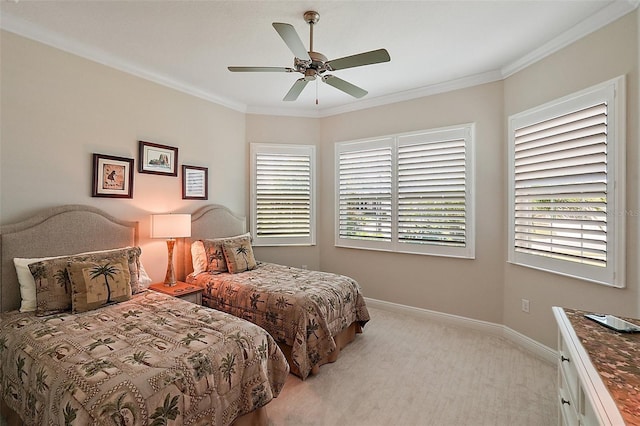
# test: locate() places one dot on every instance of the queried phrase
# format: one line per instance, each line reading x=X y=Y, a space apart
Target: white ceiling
x=434 y=45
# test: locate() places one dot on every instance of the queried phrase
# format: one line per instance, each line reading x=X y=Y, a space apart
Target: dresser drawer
x=568 y=369
x=568 y=404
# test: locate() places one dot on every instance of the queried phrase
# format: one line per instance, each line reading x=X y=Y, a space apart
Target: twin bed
x=154 y=359
x=311 y=314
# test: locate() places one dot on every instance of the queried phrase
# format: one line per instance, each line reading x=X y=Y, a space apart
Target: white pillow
x=144 y=281
x=198 y=257
x=27 y=283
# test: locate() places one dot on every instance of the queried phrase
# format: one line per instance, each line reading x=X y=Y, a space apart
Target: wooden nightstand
x=189 y=292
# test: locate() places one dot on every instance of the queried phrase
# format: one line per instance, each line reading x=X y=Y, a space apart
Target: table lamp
x=170 y=226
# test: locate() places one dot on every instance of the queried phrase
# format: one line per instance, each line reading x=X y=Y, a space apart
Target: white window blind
x=561 y=187
x=566 y=214
x=282 y=202
x=364 y=200
x=432 y=190
x=409 y=193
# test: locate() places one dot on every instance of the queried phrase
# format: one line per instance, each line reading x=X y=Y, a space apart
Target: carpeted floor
x=409 y=371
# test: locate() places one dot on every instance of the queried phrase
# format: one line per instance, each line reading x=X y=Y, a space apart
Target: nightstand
x=189 y=292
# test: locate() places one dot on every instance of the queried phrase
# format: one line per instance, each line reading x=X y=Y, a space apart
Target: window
x=567 y=185
x=409 y=193
x=282 y=194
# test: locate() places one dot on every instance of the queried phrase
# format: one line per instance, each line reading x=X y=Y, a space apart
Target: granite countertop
x=616 y=357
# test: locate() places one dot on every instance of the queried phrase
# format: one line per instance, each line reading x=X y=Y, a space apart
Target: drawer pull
x=564 y=401
x=563 y=359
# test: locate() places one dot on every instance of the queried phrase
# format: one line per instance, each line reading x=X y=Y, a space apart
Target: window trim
x=612 y=91
x=285 y=149
x=394 y=140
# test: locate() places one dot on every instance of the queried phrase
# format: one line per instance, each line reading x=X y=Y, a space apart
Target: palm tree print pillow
x=53 y=288
x=214 y=255
x=239 y=254
x=97 y=284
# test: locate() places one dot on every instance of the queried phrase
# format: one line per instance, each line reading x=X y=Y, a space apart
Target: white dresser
x=583 y=396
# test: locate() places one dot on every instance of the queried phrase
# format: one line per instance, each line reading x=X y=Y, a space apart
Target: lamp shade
x=170 y=225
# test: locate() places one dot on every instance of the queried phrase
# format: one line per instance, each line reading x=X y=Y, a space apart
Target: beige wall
x=470 y=288
x=287 y=130
x=605 y=54
x=57 y=109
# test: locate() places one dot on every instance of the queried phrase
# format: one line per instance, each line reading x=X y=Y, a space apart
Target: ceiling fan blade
x=367 y=58
x=345 y=86
x=260 y=69
x=295 y=90
x=291 y=38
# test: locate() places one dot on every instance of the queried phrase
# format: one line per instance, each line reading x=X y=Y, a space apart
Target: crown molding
x=23 y=28
x=433 y=89
x=447 y=86
x=603 y=17
x=288 y=111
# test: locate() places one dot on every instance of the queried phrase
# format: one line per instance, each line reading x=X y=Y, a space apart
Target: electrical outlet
x=525 y=305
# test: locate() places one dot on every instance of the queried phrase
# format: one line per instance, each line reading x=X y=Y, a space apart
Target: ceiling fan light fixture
x=310 y=74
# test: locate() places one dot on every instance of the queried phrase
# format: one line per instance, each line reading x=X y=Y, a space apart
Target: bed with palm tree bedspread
x=113 y=352
x=311 y=314
x=152 y=360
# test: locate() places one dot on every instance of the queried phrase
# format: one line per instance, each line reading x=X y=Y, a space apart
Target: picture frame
x=157 y=159
x=195 y=183
x=112 y=176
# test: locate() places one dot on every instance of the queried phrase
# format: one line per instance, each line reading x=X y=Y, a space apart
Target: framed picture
x=112 y=176
x=158 y=159
x=195 y=183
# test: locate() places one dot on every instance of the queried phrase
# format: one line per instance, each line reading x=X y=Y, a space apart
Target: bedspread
x=301 y=308
x=153 y=360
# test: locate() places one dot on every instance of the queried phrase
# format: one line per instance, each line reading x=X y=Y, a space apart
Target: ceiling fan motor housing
x=312 y=68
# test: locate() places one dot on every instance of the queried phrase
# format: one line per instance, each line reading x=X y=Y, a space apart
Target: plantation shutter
x=283 y=198
x=364 y=196
x=432 y=189
x=561 y=187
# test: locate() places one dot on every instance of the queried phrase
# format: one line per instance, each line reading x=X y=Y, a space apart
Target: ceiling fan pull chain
x=316 y=91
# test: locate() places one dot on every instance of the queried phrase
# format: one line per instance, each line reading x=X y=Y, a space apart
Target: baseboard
x=536 y=348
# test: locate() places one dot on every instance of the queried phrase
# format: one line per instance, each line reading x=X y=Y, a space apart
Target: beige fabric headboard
x=212 y=221
x=58 y=231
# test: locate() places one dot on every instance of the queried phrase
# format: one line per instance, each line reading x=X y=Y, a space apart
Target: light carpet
x=410 y=371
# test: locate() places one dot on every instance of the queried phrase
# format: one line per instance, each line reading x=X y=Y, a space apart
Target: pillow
x=27 y=284
x=198 y=257
x=239 y=254
x=99 y=283
x=208 y=255
x=214 y=255
x=52 y=288
x=144 y=280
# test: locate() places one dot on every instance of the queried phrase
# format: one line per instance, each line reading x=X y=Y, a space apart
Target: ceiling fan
x=314 y=64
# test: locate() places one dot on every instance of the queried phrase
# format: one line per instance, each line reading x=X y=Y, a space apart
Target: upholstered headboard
x=212 y=221
x=58 y=231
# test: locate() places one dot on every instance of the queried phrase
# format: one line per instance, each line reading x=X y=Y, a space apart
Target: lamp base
x=170 y=277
